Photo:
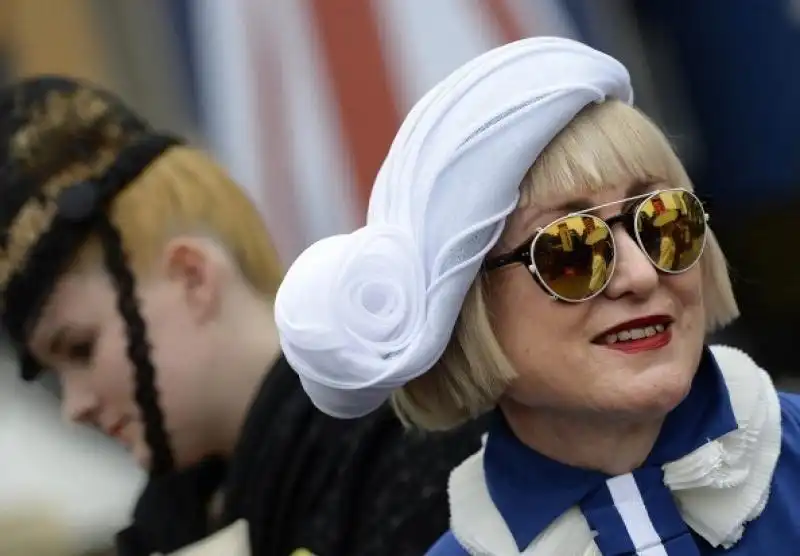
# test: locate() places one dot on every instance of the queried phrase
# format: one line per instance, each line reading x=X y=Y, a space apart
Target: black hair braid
x=146 y=394
x=26 y=291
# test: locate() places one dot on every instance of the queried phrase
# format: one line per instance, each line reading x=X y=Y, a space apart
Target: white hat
x=361 y=314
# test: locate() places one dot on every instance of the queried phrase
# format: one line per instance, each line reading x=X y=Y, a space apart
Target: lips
x=115 y=431
x=639 y=323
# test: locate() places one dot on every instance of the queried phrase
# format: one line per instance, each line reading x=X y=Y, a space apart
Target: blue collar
x=530 y=490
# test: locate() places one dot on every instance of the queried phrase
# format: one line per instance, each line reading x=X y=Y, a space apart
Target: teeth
x=633 y=334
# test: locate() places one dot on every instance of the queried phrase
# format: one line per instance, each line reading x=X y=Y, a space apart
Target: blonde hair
x=185 y=191
x=604 y=146
x=182 y=191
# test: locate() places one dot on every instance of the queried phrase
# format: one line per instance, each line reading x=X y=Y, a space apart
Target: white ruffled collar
x=718 y=488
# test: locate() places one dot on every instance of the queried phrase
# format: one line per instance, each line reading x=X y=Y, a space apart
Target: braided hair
x=50 y=126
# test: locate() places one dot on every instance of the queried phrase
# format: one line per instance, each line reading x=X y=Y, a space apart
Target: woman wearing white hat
x=616 y=430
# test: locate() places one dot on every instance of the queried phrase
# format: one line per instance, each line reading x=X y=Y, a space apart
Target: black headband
x=79 y=209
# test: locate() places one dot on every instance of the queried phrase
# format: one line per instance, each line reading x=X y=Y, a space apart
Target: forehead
x=589 y=200
x=608 y=150
x=75 y=297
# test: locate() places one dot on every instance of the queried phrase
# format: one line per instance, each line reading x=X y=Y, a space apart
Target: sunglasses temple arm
x=519 y=255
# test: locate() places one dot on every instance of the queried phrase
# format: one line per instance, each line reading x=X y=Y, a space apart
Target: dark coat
x=304 y=480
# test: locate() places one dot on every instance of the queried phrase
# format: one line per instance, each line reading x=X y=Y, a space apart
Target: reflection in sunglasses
x=573 y=257
x=671 y=229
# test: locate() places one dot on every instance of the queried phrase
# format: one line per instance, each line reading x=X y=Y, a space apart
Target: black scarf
x=304 y=480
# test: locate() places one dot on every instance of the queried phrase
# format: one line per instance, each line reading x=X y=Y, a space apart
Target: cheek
x=176 y=347
x=179 y=351
x=113 y=371
x=690 y=328
x=687 y=289
x=532 y=328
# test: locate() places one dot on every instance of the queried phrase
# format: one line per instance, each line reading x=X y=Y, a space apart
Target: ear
x=192 y=264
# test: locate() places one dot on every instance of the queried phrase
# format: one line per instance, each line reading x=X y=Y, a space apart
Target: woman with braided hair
x=134 y=268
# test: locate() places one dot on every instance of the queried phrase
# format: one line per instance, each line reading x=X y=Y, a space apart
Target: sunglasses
x=573 y=257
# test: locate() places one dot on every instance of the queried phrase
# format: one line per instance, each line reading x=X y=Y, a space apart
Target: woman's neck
x=614 y=447
x=251 y=347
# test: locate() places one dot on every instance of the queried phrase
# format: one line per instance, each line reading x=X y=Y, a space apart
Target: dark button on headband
x=78 y=202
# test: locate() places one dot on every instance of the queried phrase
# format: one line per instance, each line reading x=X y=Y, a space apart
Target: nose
x=634 y=274
x=79 y=402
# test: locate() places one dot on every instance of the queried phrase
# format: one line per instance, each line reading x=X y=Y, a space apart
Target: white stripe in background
x=417 y=55
x=226 y=91
x=630 y=505
x=321 y=164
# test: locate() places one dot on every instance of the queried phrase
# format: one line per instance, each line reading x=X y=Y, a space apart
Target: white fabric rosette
x=361 y=314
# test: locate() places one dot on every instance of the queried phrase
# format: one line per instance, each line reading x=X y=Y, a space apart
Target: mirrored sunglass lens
x=574 y=256
x=672 y=227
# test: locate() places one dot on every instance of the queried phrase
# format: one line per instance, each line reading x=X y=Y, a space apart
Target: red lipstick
x=623 y=337
x=116 y=430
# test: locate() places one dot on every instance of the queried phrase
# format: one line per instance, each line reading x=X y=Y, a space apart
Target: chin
x=656 y=392
x=141 y=455
x=652 y=383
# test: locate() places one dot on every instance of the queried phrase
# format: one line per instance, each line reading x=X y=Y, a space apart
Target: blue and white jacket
x=723 y=478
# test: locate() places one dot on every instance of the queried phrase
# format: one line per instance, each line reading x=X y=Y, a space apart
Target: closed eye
x=80 y=352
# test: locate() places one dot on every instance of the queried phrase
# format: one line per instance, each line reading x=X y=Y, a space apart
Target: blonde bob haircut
x=605 y=145
x=183 y=192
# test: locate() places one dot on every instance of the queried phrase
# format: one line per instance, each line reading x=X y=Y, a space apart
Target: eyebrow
x=638 y=187
x=57 y=341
